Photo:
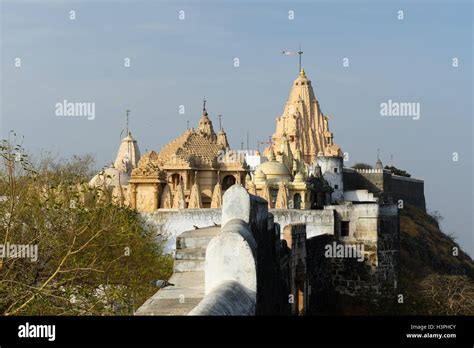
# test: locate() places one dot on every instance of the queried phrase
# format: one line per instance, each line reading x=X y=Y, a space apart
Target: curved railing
x=231 y=259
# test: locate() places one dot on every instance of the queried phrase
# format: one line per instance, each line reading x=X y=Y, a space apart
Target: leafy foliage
x=360 y=165
x=397 y=171
x=94 y=257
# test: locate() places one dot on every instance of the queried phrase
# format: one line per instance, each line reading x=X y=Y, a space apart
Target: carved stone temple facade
x=302 y=168
x=115 y=177
x=283 y=181
x=192 y=171
x=304 y=124
x=296 y=174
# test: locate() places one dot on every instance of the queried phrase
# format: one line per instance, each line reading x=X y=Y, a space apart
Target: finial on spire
x=204 y=105
x=378 y=164
x=126 y=123
x=300 y=53
x=293 y=53
x=220 y=123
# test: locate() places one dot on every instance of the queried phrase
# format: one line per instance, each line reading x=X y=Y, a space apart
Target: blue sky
x=177 y=62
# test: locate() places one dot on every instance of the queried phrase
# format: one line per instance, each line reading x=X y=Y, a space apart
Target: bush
x=94 y=257
x=397 y=171
x=362 y=166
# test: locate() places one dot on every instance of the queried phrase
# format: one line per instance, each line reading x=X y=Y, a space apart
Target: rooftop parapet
x=231 y=257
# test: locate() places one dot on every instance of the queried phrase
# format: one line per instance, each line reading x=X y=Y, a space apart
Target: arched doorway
x=227 y=182
x=297 y=201
x=174 y=180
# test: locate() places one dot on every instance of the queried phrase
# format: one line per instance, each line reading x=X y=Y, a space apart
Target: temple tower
x=127 y=155
x=304 y=124
x=205 y=125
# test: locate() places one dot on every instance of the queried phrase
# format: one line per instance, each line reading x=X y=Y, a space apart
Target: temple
x=284 y=182
x=310 y=202
x=191 y=171
x=304 y=124
x=302 y=168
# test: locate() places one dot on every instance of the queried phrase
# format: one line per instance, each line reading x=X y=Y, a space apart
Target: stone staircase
x=188 y=276
x=191 y=249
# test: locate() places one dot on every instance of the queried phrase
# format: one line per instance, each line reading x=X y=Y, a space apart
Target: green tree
x=397 y=171
x=94 y=257
x=359 y=165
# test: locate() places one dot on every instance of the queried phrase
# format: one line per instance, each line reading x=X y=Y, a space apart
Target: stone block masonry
x=294 y=236
x=172 y=222
x=409 y=190
x=253 y=254
x=387 y=187
x=373 y=227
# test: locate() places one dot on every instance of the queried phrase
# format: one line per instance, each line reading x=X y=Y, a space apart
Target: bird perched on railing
x=161 y=283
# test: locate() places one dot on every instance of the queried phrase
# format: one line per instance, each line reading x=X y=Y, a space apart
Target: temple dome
x=299 y=177
x=274 y=170
x=260 y=175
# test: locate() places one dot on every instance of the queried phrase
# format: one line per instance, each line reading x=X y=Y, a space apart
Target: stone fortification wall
x=387 y=187
x=172 y=222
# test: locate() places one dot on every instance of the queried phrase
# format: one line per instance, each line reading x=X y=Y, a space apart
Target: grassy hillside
x=436 y=276
x=424 y=249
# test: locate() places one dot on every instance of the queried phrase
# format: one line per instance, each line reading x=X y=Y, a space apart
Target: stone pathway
x=188 y=276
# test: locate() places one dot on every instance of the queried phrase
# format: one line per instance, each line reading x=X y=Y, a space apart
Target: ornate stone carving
x=304 y=124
